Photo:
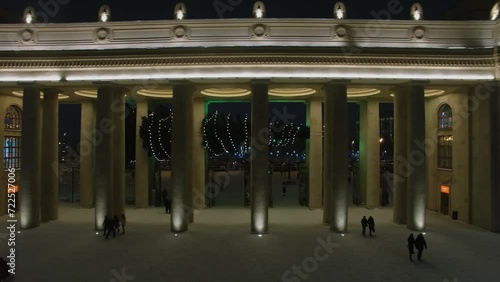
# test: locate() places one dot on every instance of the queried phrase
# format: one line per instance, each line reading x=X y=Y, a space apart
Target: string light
x=160 y=129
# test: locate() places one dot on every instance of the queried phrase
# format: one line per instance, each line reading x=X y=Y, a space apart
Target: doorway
x=445 y=199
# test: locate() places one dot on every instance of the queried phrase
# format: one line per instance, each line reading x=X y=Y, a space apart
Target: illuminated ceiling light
x=180 y=11
x=259 y=10
x=260 y=235
x=495 y=11
x=20 y=94
x=433 y=92
x=87 y=93
x=417 y=12
x=29 y=15
x=226 y=92
x=429 y=92
x=291 y=92
x=104 y=14
x=221 y=74
x=156 y=93
x=362 y=92
x=339 y=11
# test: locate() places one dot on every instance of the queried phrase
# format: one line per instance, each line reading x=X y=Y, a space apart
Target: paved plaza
x=218 y=247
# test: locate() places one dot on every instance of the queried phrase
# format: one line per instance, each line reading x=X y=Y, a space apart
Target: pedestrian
x=110 y=226
x=123 y=221
x=116 y=223
x=105 y=225
x=371 y=225
x=164 y=195
x=168 y=205
x=411 y=244
x=420 y=244
x=364 y=224
x=284 y=190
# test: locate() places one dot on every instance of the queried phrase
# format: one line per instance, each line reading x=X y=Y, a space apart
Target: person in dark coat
x=164 y=195
x=105 y=224
x=284 y=190
x=364 y=224
x=110 y=226
x=411 y=244
x=371 y=225
x=116 y=223
x=420 y=244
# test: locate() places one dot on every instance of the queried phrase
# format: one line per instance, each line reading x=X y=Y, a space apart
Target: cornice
x=234 y=33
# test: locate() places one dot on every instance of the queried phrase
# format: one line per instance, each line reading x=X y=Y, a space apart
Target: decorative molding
x=259 y=31
x=472 y=61
x=341 y=32
x=418 y=33
x=27 y=36
x=235 y=33
x=102 y=35
x=180 y=32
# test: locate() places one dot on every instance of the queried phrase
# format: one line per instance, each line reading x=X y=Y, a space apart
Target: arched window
x=13 y=118
x=445 y=117
x=445 y=138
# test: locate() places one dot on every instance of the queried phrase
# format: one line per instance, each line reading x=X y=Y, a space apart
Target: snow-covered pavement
x=219 y=247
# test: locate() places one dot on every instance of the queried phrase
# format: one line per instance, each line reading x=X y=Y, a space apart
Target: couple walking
x=370 y=223
x=418 y=243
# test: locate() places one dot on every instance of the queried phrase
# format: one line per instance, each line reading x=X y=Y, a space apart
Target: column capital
x=51 y=91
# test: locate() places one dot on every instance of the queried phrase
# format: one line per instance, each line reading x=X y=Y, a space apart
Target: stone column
x=104 y=155
x=495 y=158
x=416 y=189
x=400 y=155
x=141 y=160
x=87 y=154
x=50 y=161
x=335 y=157
x=259 y=164
x=315 y=154
x=198 y=168
x=31 y=151
x=182 y=150
x=369 y=152
x=118 y=108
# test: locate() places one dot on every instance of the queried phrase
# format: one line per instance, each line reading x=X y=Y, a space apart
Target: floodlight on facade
x=339 y=11
x=180 y=11
x=29 y=15
x=259 y=10
x=104 y=14
x=417 y=12
x=495 y=11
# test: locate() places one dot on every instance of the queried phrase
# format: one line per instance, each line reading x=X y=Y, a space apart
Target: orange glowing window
x=445 y=189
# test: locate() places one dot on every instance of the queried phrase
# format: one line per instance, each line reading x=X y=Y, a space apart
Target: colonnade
x=102 y=157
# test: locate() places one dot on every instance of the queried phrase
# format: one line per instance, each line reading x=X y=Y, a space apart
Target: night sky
x=128 y=10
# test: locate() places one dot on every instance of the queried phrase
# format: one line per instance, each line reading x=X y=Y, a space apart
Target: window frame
x=13 y=161
x=14 y=114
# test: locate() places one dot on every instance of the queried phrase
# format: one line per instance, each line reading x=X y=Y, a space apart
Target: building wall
x=458 y=177
x=5 y=102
